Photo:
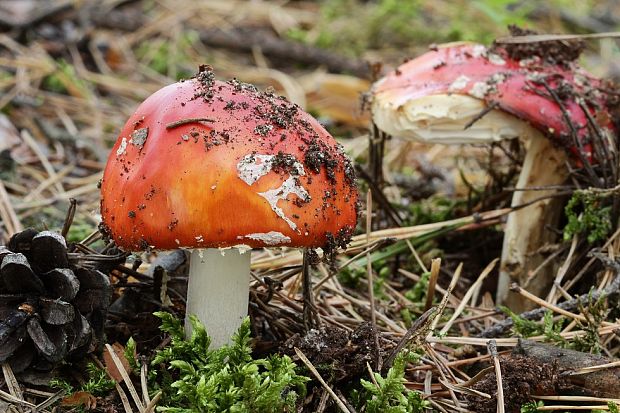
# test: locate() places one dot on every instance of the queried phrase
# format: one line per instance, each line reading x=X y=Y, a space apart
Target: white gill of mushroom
x=440 y=119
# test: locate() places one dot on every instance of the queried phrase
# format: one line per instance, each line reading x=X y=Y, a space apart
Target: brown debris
x=522 y=378
x=342 y=355
x=557 y=52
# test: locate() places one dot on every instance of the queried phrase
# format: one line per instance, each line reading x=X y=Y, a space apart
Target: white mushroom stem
x=527 y=229
x=218 y=291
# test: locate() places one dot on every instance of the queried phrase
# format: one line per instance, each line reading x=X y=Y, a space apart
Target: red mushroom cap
x=514 y=86
x=204 y=163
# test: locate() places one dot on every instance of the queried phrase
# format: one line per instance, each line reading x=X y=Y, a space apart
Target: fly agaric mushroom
x=466 y=93
x=220 y=168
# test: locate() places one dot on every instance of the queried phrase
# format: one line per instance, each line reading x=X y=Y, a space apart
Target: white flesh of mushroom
x=441 y=119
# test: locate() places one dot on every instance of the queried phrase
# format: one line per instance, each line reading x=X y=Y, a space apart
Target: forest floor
x=72 y=72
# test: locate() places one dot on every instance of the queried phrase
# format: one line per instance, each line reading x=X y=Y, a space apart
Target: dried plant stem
x=577 y=399
x=476 y=285
x=598 y=367
x=126 y=378
x=7 y=213
x=432 y=282
x=539 y=301
x=371 y=282
x=492 y=348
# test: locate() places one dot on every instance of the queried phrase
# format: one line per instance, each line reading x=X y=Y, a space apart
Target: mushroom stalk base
x=218 y=291
x=527 y=229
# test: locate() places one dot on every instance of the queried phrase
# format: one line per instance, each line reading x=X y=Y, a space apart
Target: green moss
x=389 y=394
x=588 y=213
x=194 y=378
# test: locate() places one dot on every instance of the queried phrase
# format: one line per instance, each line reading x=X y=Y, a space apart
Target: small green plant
x=549 y=327
x=388 y=394
x=432 y=209
x=595 y=313
x=194 y=378
x=130 y=355
x=613 y=407
x=65 y=80
x=552 y=329
x=98 y=383
x=417 y=293
x=587 y=214
x=532 y=407
x=169 y=57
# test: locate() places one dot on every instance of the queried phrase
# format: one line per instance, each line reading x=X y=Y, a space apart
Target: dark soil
x=338 y=355
x=522 y=378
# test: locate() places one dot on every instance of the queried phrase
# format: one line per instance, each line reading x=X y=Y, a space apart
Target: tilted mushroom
x=467 y=93
x=220 y=168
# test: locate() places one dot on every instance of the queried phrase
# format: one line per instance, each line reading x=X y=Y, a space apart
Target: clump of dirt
x=206 y=78
x=337 y=354
x=522 y=378
x=285 y=163
x=332 y=243
x=557 y=52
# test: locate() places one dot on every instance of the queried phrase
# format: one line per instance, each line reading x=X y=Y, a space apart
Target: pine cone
x=51 y=308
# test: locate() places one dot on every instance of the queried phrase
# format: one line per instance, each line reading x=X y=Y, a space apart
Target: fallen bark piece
x=522 y=378
x=599 y=383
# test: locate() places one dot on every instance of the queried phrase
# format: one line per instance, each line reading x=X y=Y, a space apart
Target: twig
x=476 y=285
x=432 y=282
x=598 y=367
x=182 y=122
x=310 y=315
x=420 y=325
x=126 y=379
x=244 y=39
x=542 y=303
x=150 y=407
x=536 y=314
x=69 y=218
x=492 y=348
x=371 y=282
x=7 y=213
x=574 y=134
x=316 y=374
x=537 y=38
x=390 y=212
x=144 y=385
x=49 y=401
x=480 y=115
x=124 y=398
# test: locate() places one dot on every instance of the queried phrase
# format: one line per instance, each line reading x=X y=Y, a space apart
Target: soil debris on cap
x=555 y=52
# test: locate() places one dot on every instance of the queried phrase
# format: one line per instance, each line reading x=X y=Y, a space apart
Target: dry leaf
x=109 y=362
x=80 y=398
x=337 y=97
